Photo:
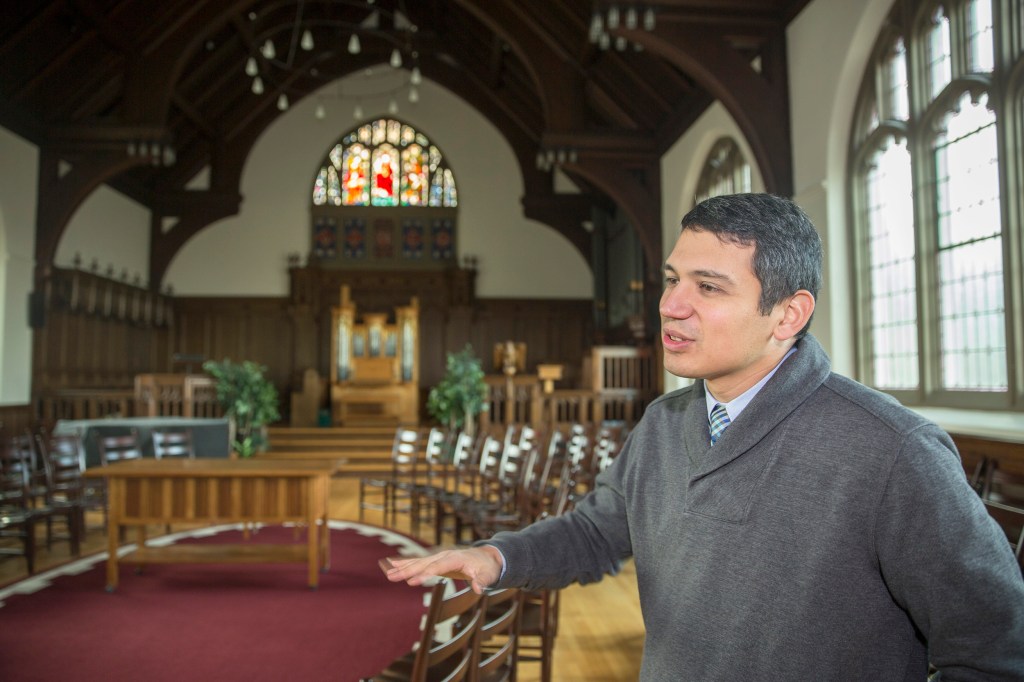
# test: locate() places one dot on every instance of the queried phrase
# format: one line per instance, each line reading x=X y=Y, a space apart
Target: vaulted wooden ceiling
x=105 y=87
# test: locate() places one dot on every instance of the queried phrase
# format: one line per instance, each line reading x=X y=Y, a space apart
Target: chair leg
x=30 y=545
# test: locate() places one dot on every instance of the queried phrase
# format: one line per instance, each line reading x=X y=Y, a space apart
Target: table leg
x=114 y=491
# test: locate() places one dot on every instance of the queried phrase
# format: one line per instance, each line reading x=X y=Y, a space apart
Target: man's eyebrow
x=708 y=274
x=712 y=274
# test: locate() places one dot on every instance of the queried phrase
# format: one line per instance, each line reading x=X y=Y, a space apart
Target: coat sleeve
x=949 y=565
x=581 y=546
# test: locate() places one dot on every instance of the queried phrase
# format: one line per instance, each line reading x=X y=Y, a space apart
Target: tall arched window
x=725 y=171
x=937 y=223
x=384 y=196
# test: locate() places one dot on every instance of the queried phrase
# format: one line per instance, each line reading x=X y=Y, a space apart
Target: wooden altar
x=375 y=365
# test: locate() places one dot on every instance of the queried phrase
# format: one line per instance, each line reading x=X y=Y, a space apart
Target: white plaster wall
x=247 y=254
x=19 y=171
x=111 y=229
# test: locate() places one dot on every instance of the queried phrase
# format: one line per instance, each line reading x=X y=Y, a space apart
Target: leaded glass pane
x=320 y=188
x=333 y=187
x=337 y=155
x=437 y=189
x=971 y=308
x=435 y=158
x=890 y=221
x=408 y=135
x=451 y=195
x=982 y=48
x=385 y=175
x=380 y=129
x=414 y=176
x=366 y=134
x=394 y=132
x=356 y=164
x=939 y=56
x=896 y=90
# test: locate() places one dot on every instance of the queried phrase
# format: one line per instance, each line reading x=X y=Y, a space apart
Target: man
x=827 y=534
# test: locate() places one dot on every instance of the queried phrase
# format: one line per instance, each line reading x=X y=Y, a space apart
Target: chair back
x=64 y=461
x=448 y=636
x=173 y=443
x=497 y=648
x=119 y=448
x=1011 y=520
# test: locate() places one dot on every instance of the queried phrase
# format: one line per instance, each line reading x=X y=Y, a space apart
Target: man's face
x=711 y=326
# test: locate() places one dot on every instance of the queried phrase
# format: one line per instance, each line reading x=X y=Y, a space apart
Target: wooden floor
x=601 y=632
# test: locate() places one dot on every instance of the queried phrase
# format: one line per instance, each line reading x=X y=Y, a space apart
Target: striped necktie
x=719 y=420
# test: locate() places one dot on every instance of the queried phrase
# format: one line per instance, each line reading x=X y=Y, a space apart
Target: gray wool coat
x=830 y=534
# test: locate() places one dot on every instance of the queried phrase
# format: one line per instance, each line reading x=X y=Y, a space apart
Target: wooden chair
x=173 y=443
x=20 y=511
x=442 y=653
x=64 y=459
x=119 y=448
x=1011 y=520
x=497 y=648
x=386 y=494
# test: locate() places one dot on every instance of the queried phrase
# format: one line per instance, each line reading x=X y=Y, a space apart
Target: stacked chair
x=26 y=500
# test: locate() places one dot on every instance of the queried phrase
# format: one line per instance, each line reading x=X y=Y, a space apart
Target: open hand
x=481 y=566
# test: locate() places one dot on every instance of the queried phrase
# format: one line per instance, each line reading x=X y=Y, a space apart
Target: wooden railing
x=159 y=395
x=84 y=403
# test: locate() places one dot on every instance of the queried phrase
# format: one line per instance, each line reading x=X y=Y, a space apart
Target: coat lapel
x=797 y=378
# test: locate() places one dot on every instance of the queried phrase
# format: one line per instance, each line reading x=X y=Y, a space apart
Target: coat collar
x=796 y=380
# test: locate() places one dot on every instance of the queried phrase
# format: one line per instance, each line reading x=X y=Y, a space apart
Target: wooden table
x=215 y=490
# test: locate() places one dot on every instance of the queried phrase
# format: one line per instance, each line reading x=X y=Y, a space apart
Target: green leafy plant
x=248 y=399
x=461 y=394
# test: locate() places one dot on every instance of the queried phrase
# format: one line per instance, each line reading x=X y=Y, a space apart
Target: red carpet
x=215 y=621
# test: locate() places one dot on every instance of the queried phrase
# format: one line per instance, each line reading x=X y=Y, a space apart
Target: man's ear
x=796 y=312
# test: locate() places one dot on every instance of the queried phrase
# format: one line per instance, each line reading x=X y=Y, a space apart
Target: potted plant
x=461 y=394
x=249 y=401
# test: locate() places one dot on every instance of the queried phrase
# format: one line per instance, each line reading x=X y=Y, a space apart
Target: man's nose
x=675 y=302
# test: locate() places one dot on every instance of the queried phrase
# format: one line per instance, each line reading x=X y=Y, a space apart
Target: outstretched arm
x=481 y=566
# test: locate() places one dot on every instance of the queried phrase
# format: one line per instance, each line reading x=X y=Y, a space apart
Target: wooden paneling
x=102 y=333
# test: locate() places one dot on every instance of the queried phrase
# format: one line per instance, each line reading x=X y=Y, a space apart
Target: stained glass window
x=384 y=163
x=931 y=157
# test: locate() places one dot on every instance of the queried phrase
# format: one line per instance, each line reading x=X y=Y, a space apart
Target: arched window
x=725 y=171
x=937 y=224
x=384 y=196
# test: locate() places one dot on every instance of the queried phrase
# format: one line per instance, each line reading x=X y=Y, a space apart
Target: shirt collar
x=737 y=404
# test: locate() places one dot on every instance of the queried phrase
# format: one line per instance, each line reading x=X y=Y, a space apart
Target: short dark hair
x=787 y=249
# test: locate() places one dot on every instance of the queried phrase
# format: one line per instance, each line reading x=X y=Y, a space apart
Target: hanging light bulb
x=613 y=16
x=648 y=19
x=596 y=27
x=257 y=86
x=307 y=40
x=414 y=95
x=353 y=44
x=282 y=102
x=631 y=18
x=392 y=106
x=268 y=49
x=357 y=113
x=620 y=44
x=396 y=58
x=604 y=42
x=251 y=68
x=320 y=112
x=416 y=77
